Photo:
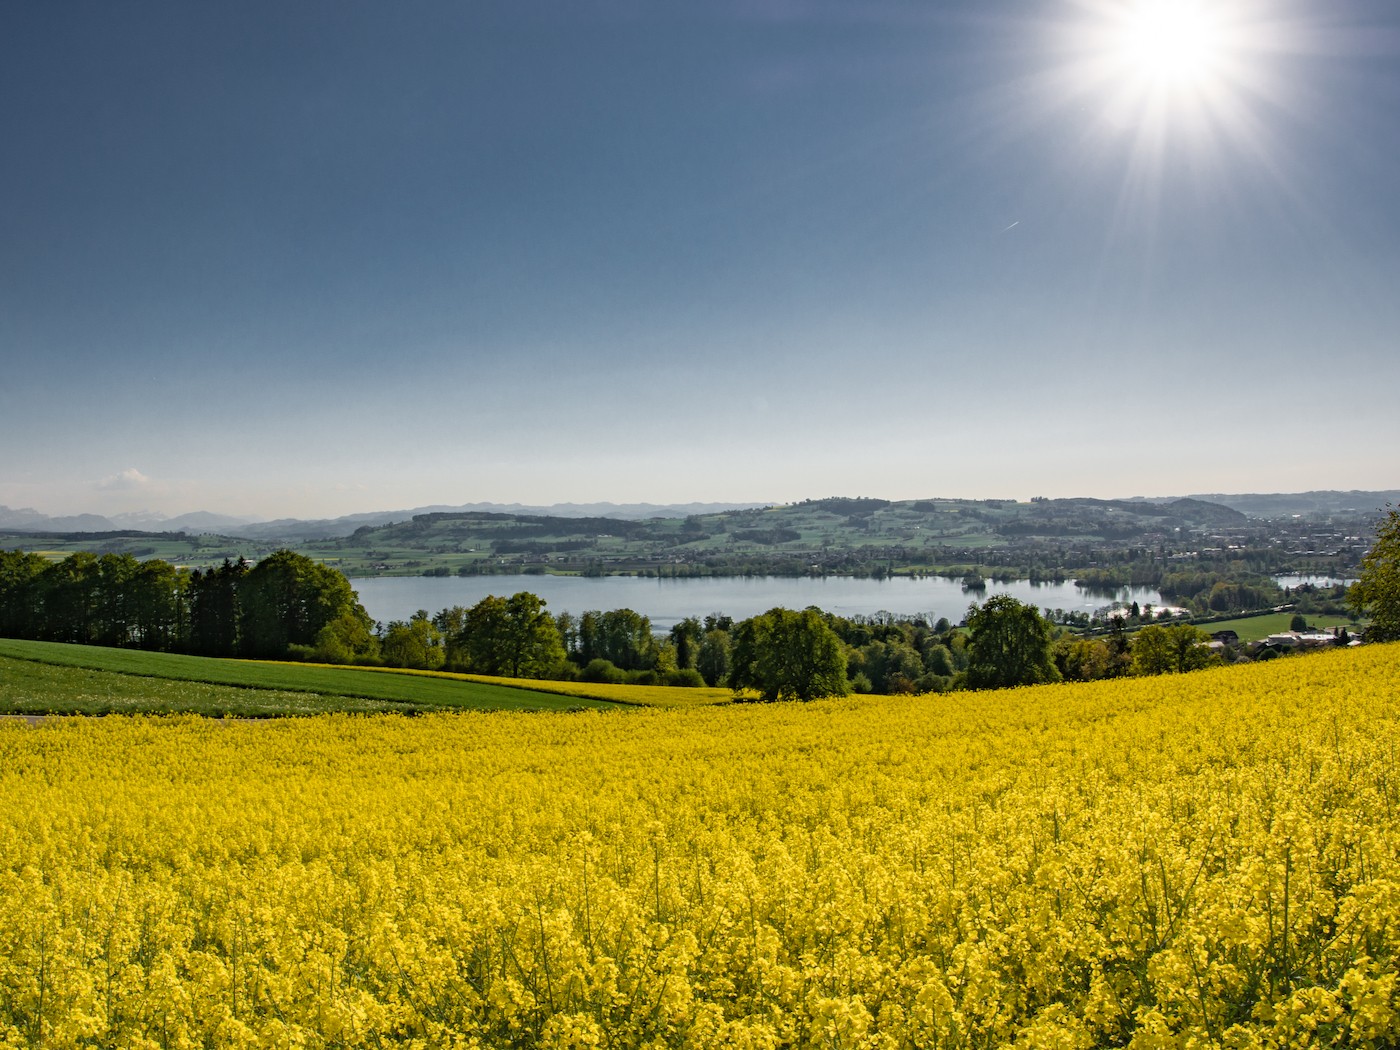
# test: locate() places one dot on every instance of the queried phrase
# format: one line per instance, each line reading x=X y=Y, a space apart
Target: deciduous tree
x=1171 y=650
x=514 y=637
x=787 y=655
x=1011 y=645
x=713 y=659
x=286 y=599
x=1377 y=592
x=415 y=643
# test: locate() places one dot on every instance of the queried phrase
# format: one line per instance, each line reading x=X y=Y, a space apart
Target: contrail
x=1016 y=223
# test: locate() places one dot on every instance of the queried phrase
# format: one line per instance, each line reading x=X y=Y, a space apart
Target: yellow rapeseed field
x=1189 y=861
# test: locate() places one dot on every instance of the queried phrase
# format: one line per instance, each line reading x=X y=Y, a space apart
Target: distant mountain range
x=1359 y=504
x=30 y=520
x=197 y=522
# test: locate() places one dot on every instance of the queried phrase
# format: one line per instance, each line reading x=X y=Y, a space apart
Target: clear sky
x=313 y=258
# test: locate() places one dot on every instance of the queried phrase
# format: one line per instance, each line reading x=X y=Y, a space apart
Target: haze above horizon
x=311 y=260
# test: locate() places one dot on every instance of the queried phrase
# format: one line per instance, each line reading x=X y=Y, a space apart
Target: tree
x=157 y=605
x=713 y=659
x=1377 y=591
x=285 y=600
x=1011 y=645
x=20 y=574
x=349 y=638
x=69 y=600
x=213 y=608
x=892 y=666
x=417 y=643
x=788 y=655
x=514 y=637
x=1085 y=659
x=114 y=600
x=686 y=636
x=1171 y=650
x=620 y=636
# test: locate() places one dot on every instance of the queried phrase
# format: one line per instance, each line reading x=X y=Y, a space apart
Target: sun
x=1188 y=65
x=1170 y=45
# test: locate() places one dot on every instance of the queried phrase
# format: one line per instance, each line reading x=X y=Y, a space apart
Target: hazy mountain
x=29 y=518
x=19 y=518
x=1321 y=503
x=305 y=529
x=203 y=521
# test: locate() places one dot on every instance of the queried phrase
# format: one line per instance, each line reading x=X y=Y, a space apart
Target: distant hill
x=1200 y=509
x=831 y=535
x=1307 y=504
x=1323 y=503
x=332 y=528
x=298 y=529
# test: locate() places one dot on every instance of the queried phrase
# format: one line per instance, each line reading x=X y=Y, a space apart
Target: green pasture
x=32 y=688
x=334 y=685
x=1256 y=628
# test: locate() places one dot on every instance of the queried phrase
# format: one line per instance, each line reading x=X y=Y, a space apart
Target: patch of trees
x=846 y=506
x=767 y=536
x=277 y=608
x=1210 y=592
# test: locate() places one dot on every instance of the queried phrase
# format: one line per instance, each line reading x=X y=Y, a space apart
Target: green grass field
x=1255 y=628
x=28 y=687
x=338 y=689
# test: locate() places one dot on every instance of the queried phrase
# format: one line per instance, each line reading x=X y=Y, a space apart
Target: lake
x=1316 y=581
x=667 y=601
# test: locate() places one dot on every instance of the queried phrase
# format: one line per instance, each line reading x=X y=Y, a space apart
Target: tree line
x=783 y=653
x=285 y=605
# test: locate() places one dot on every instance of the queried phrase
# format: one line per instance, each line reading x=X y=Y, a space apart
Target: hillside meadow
x=1184 y=861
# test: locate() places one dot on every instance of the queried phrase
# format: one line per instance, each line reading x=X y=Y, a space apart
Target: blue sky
x=307 y=259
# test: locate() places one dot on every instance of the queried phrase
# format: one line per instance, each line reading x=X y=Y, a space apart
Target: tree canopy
x=788 y=655
x=1171 y=650
x=286 y=599
x=1377 y=591
x=513 y=637
x=1011 y=645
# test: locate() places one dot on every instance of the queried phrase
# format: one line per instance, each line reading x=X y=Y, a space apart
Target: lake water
x=667 y=601
x=1316 y=581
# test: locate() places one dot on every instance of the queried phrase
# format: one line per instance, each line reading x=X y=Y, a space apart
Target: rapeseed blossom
x=1203 y=860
